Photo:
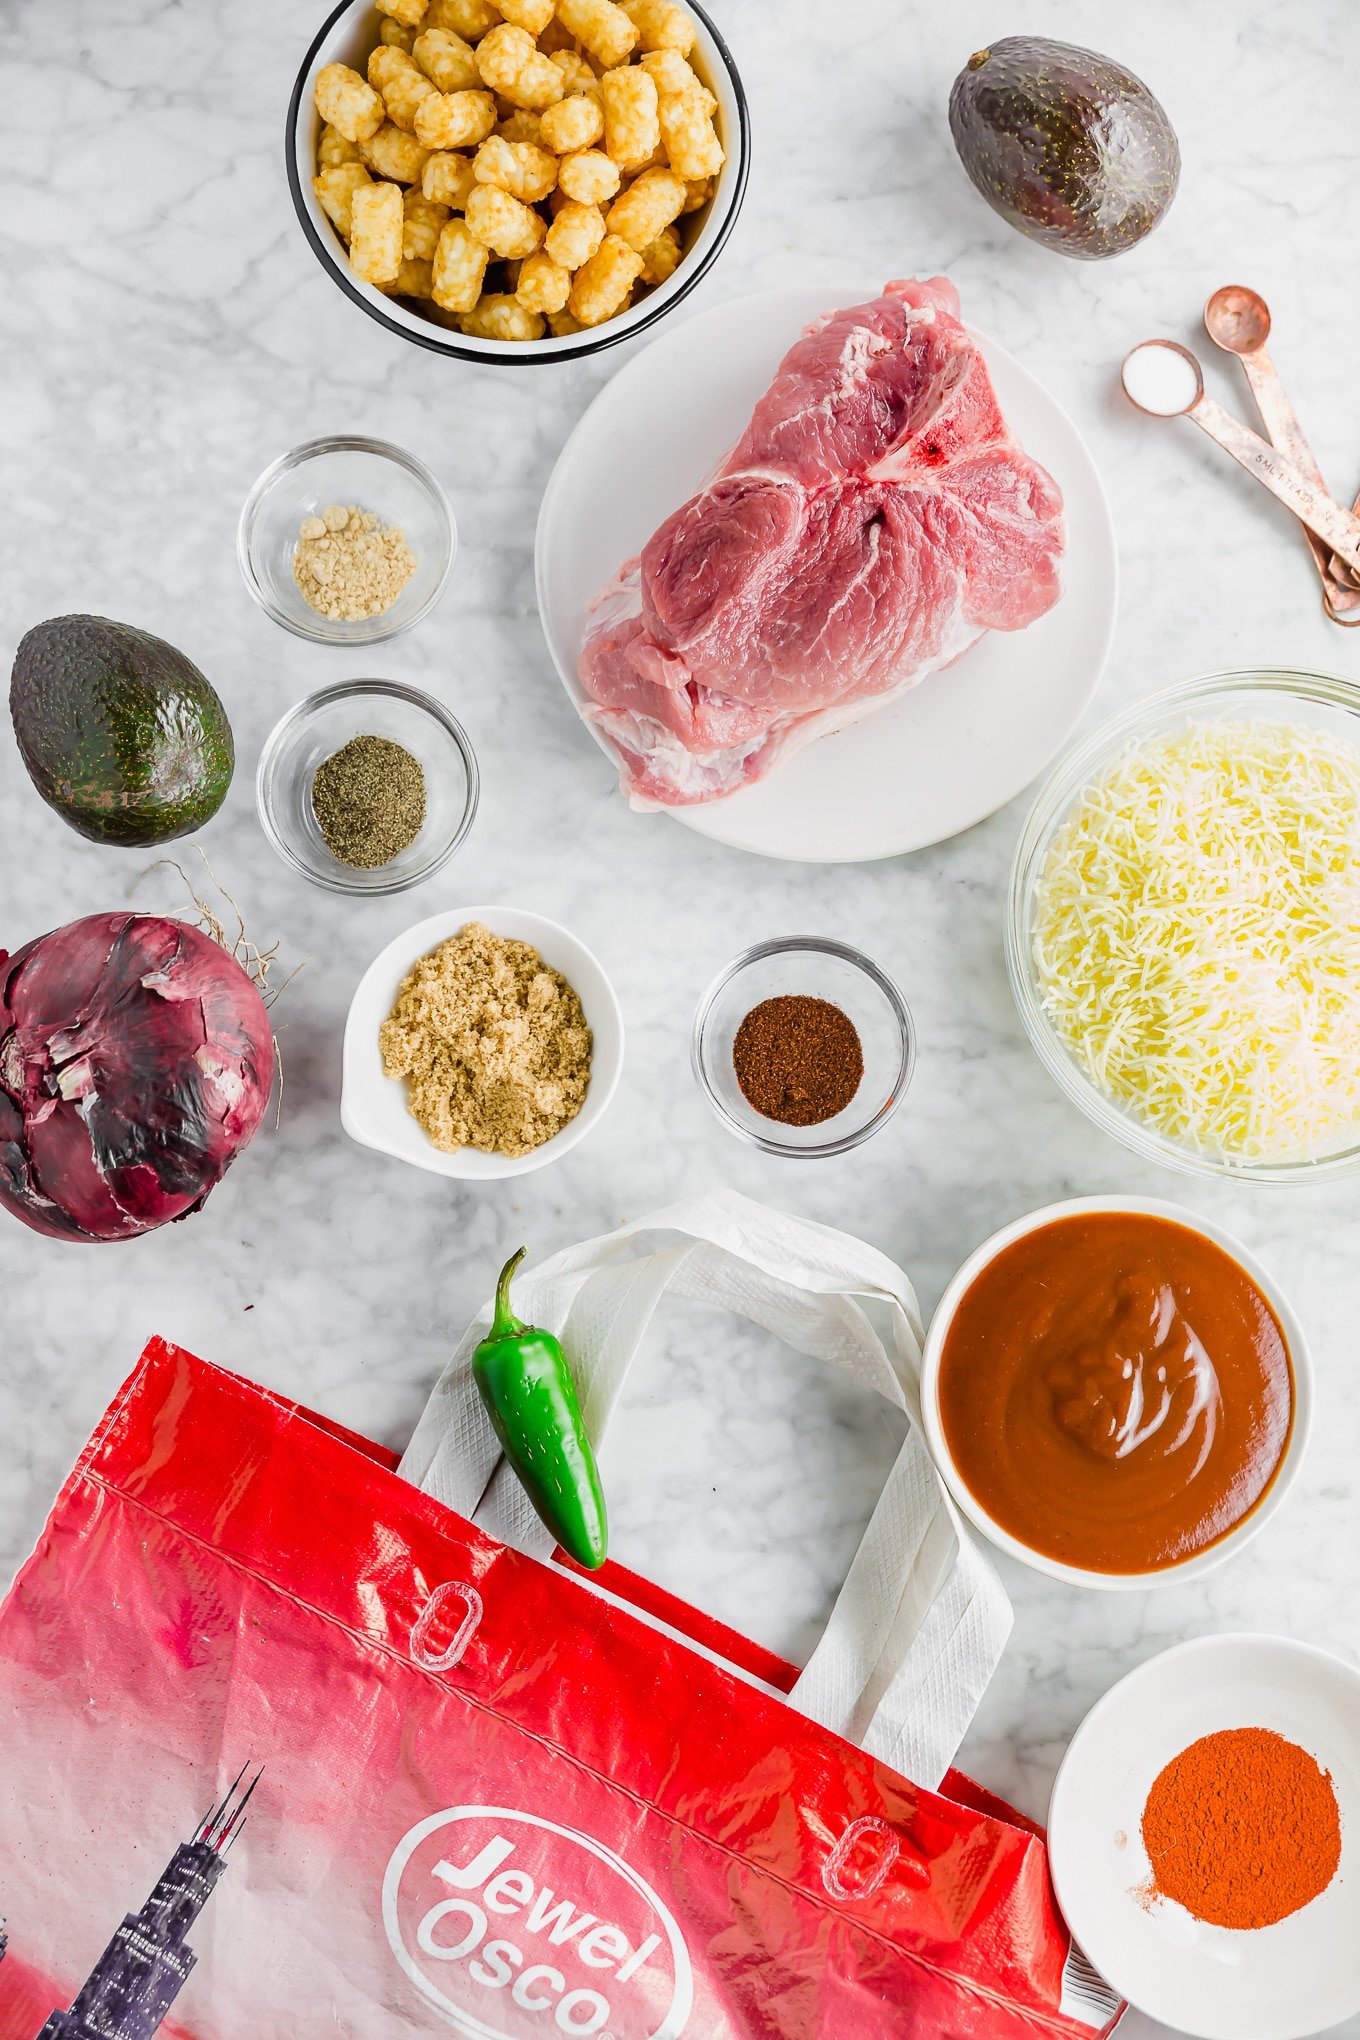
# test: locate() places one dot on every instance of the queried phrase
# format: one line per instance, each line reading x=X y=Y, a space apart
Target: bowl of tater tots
x=517 y=180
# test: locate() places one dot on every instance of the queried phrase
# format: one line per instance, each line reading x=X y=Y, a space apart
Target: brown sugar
x=492 y=1042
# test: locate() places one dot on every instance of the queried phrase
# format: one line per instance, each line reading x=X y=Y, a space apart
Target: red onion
x=135 y=1059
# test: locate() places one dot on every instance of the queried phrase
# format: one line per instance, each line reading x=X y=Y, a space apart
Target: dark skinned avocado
x=1068 y=146
x=121 y=734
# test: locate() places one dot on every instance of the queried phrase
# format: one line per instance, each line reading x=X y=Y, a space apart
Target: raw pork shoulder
x=874 y=519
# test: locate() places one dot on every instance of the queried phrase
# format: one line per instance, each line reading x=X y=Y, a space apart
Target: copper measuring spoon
x=1237 y=319
x=1159 y=390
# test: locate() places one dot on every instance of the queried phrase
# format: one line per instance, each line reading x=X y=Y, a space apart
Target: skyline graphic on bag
x=147 y=1963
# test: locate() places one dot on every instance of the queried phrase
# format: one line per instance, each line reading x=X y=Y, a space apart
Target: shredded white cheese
x=1196 y=938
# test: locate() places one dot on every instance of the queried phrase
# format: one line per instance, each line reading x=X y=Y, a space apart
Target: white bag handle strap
x=921 y=1620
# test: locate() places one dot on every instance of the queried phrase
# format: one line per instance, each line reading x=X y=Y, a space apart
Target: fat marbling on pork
x=874 y=519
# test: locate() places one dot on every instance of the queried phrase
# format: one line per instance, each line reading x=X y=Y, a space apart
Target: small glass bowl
x=363 y=473
x=816 y=969
x=1275 y=693
x=316 y=728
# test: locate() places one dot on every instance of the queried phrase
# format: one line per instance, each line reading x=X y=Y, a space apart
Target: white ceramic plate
x=373 y=1105
x=1279 y=1982
x=933 y=762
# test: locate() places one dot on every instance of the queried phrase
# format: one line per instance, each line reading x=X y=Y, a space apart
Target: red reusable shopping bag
x=485 y=1796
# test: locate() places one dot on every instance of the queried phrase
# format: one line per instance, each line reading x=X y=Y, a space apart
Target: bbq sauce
x=1116 y=1391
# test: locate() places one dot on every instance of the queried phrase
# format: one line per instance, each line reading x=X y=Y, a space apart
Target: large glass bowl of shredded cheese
x=1183 y=932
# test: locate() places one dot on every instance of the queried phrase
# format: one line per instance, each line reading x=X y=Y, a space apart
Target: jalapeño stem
x=504 y=1324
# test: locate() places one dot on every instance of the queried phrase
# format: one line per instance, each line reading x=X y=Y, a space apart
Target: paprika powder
x=1242 y=1829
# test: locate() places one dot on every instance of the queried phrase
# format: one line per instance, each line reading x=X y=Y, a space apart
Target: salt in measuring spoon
x=1237 y=319
x=1164 y=380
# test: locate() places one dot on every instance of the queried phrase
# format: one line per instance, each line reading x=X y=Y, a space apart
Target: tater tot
x=544 y=285
x=386 y=61
x=394 y=35
x=631 y=127
x=660 y=25
x=413 y=279
x=562 y=324
x=376 y=222
x=603 y=28
x=698 y=191
x=395 y=154
x=447 y=61
x=527 y=173
x=520 y=126
x=455 y=120
x=688 y=133
x=348 y=102
x=502 y=224
x=469 y=18
x=670 y=73
x=600 y=287
x=401 y=82
x=572 y=124
x=511 y=65
x=335 y=148
x=447 y=179
x=588 y=176
x=531 y=15
x=574 y=235
x=335 y=188
x=577 y=75
x=424 y=223
x=409 y=13
x=502 y=318
x=647 y=208
x=459 y=265
x=662 y=258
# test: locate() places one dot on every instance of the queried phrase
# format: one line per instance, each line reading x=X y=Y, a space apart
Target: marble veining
x=167 y=332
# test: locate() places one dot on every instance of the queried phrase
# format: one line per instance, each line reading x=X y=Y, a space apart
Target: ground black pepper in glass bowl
x=310 y=737
x=805 y=969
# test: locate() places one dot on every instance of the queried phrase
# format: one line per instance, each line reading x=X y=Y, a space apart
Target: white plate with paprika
x=1244 y=1826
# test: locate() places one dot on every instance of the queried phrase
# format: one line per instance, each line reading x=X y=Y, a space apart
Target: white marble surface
x=167 y=332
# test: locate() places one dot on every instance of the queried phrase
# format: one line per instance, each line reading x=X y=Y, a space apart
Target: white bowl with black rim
x=347 y=36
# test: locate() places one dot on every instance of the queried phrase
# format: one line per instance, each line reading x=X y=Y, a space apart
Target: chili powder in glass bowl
x=782 y=988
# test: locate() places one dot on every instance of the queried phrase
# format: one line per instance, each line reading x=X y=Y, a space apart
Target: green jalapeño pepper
x=530 y=1397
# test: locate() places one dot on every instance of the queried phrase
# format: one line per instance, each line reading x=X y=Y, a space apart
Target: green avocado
x=121 y=734
x=1069 y=147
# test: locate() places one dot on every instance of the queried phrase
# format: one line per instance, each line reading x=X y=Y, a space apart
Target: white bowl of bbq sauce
x=1116 y=1392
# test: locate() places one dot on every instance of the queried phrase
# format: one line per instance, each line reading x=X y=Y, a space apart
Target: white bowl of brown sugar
x=482 y=1043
